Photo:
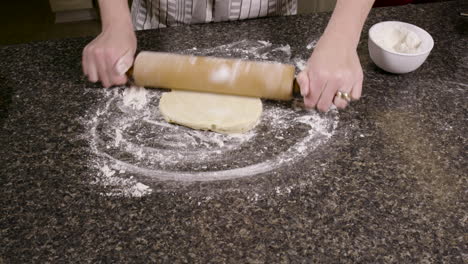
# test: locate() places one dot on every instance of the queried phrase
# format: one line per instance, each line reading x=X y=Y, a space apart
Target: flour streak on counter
x=132 y=143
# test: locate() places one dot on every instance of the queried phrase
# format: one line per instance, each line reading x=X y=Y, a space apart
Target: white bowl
x=398 y=62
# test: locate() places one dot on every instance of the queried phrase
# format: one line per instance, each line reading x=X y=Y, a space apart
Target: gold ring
x=344 y=96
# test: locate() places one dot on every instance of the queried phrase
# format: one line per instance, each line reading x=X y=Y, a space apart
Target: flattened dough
x=215 y=112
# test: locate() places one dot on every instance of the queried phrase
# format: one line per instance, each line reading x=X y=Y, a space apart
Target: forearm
x=347 y=20
x=115 y=13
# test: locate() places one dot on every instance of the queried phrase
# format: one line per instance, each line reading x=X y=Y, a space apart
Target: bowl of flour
x=399 y=47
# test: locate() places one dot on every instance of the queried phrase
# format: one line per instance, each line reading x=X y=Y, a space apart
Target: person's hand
x=333 y=75
x=108 y=57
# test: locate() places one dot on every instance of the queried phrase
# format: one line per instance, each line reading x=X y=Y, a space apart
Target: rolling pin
x=270 y=80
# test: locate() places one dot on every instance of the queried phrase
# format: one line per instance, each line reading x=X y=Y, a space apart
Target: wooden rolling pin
x=269 y=80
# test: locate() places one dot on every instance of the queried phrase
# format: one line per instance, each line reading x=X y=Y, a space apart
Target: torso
x=148 y=14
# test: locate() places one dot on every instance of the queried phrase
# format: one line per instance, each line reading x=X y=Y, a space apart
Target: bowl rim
x=401 y=53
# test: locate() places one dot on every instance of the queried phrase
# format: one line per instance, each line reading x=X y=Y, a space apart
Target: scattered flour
x=286 y=49
x=135 y=97
x=120 y=186
x=300 y=63
x=312 y=44
x=265 y=43
x=132 y=143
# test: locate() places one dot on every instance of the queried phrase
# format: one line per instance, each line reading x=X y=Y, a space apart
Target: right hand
x=108 y=57
x=333 y=67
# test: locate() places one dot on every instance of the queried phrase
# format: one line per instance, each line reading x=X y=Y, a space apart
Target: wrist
x=115 y=14
x=338 y=41
x=117 y=25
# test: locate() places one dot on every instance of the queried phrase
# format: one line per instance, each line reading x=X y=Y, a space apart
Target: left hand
x=333 y=67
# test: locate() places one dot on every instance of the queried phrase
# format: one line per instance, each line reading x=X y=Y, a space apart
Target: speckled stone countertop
x=388 y=187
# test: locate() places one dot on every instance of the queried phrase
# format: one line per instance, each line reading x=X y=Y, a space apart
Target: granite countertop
x=387 y=186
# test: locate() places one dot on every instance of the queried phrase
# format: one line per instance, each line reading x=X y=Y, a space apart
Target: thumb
x=303 y=81
x=124 y=63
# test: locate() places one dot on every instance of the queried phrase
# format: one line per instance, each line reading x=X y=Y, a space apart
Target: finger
x=102 y=70
x=84 y=61
x=114 y=78
x=303 y=82
x=327 y=96
x=119 y=80
x=91 y=68
x=317 y=85
x=124 y=63
x=357 y=89
x=339 y=101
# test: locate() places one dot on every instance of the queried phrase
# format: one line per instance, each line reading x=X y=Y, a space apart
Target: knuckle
x=109 y=52
x=339 y=80
x=342 y=77
x=89 y=48
x=323 y=75
x=98 y=52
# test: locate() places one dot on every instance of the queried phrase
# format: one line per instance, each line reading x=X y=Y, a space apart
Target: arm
x=115 y=13
x=111 y=53
x=334 y=65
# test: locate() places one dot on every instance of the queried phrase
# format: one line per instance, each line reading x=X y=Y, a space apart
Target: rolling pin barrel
x=269 y=80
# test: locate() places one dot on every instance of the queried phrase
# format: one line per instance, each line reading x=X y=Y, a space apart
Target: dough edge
x=241 y=125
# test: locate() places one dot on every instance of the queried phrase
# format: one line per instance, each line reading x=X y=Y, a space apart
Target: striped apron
x=149 y=14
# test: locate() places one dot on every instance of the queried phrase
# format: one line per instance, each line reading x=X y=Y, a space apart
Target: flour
x=247 y=49
x=118 y=137
x=120 y=186
x=312 y=44
x=397 y=38
x=286 y=49
x=300 y=63
x=132 y=145
x=158 y=152
x=265 y=43
x=135 y=97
